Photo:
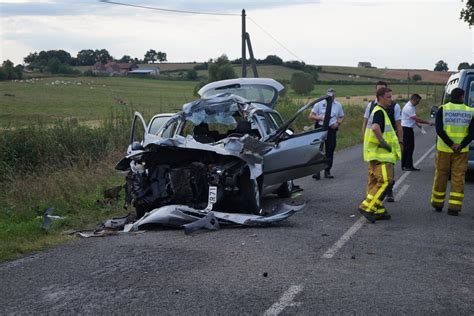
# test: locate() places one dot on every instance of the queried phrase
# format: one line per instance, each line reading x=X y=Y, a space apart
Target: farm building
x=145 y=72
x=114 y=68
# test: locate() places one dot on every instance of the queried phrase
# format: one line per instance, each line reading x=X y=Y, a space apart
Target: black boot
x=328 y=175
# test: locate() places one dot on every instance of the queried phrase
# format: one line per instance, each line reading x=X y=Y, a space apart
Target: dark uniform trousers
x=446 y=164
x=330 y=147
x=408 y=147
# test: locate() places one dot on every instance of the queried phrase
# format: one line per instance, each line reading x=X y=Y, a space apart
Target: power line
x=167 y=10
x=273 y=38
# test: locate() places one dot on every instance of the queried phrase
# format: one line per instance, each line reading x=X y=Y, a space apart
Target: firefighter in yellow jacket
x=381 y=151
x=455 y=129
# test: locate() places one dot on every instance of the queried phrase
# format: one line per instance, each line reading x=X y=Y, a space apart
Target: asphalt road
x=324 y=260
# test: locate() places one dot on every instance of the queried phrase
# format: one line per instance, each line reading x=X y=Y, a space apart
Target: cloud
x=69 y=7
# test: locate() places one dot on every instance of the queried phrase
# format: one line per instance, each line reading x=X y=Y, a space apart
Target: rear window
x=254 y=93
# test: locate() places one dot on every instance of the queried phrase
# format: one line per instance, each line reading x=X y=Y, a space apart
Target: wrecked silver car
x=222 y=152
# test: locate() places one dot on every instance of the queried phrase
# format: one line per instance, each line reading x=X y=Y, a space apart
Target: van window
x=470 y=94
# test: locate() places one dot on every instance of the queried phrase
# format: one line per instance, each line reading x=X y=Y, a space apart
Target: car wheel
x=250 y=194
x=285 y=190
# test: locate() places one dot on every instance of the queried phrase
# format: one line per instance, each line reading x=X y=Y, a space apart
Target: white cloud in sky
x=396 y=34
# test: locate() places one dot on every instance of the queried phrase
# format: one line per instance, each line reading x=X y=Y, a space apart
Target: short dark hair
x=381 y=92
x=415 y=96
x=381 y=83
x=456 y=95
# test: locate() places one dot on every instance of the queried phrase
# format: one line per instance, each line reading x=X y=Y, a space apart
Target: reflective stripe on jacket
x=456 y=120
x=372 y=149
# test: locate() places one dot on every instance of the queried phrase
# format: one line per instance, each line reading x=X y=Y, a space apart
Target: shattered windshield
x=215 y=109
x=254 y=93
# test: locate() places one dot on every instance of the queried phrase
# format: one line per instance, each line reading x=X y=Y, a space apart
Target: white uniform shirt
x=397 y=111
x=408 y=111
x=336 y=111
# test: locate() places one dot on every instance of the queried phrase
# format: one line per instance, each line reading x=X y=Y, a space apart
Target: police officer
x=337 y=117
x=395 y=114
x=381 y=151
x=455 y=129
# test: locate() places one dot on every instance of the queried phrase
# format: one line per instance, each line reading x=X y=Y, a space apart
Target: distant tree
x=151 y=56
x=416 y=77
x=125 y=59
x=441 y=66
x=273 y=60
x=464 y=65
x=8 y=71
x=302 y=83
x=294 y=64
x=161 y=56
x=102 y=55
x=203 y=66
x=191 y=74
x=221 y=69
x=467 y=14
x=86 y=57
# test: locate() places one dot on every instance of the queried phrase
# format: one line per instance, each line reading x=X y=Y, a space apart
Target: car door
x=296 y=155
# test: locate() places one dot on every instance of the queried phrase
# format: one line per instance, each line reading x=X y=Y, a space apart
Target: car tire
x=285 y=190
x=250 y=194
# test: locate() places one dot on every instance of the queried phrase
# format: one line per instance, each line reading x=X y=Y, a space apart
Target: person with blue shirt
x=337 y=117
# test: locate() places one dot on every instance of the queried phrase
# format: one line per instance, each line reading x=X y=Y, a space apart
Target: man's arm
x=420 y=121
x=378 y=135
x=467 y=140
x=399 y=127
x=315 y=117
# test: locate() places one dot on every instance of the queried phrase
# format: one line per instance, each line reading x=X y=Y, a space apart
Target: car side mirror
x=434 y=110
x=136 y=145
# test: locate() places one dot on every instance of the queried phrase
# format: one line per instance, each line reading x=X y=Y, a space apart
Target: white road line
x=406 y=173
x=286 y=300
x=338 y=245
x=401 y=192
x=360 y=222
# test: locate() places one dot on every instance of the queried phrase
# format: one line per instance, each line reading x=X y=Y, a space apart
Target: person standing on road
x=455 y=129
x=337 y=117
x=395 y=114
x=381 y=151
x=409 y=120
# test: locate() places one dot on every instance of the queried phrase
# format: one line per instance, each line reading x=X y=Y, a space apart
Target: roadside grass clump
x=40 y=148
x=65 y=166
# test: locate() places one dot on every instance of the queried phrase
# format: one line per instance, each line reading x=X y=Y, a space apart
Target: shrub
x=302 y=83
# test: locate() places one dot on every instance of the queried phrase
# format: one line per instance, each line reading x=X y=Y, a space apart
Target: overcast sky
x=387 y=33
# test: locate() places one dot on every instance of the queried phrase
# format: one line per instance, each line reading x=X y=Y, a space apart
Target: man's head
x=331 y=92
x=380 y=84
x=457 y=95
x=384 y=96
x=415 y=99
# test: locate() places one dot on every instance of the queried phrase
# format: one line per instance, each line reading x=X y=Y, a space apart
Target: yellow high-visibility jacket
x=456 y=120
x=372 y=149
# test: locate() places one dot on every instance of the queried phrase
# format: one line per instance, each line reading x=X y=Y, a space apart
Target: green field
x=50 y=99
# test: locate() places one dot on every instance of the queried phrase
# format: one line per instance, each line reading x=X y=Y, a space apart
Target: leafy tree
x=191 y=74
x=8 y=71
x=441 y=66
x=221 y=69
x=102 y=55
x=273 y=60
x=464 y=65
x=294 y=64
x=126 y=59
x=416 y=77
x=467 y=14
x=86 y=57
x=302 y=83
x=161 y=56
x=151 y=56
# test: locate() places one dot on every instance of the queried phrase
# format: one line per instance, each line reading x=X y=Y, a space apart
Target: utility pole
x=244 y=50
